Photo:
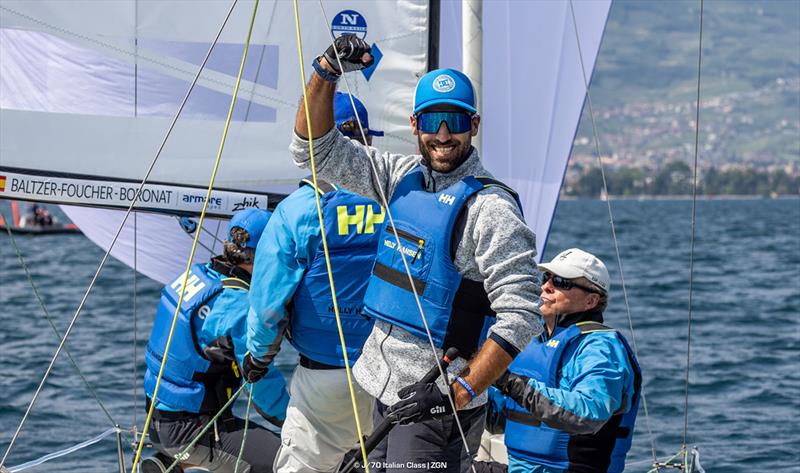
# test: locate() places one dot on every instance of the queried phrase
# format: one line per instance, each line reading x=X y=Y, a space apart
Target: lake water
x=744 y=396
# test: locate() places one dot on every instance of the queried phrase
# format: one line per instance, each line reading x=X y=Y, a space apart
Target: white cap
x=575 y=263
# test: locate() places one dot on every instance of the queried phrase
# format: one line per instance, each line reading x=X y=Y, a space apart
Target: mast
x=434 y=14
x=472 y=50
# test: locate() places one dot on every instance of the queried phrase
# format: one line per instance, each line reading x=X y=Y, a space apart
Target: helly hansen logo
x=553 y=343
x=447 y=199
x=193 y=285
x=364 y=219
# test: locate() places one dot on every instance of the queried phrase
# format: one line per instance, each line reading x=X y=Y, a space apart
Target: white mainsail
x=87 y=89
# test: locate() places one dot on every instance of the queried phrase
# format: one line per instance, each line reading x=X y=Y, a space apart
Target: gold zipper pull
x=419 y=248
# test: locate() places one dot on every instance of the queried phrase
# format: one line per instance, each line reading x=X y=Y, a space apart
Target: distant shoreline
x=684 y=197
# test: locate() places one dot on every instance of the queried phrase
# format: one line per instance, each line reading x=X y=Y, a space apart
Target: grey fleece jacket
x=496 y=247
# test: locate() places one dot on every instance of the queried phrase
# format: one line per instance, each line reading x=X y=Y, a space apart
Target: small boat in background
x=37 y=221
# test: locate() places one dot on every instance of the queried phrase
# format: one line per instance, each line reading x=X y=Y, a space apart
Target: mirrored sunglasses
x=457 y=122
x=564 y=283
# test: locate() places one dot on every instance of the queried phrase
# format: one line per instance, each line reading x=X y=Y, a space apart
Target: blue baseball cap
x=343 y=112
x=444 y=86
x=252 y=220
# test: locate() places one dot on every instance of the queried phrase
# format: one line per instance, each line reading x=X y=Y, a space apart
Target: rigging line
x=197 y=234
x=244 y=433
x=135 y=328
x=185 y=452
x=216 y=237
x=385 y=204
x=260 y=61
x=62 y=453
x=213 y=236
x=350 y=386
x=613 y=227
x=694 y=222
x=50 y=319
x=116 y=237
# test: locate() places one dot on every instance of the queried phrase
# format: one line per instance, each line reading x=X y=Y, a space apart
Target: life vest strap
x=235 y=283
x=491 y=182
x=590 y=327
x=322 y=187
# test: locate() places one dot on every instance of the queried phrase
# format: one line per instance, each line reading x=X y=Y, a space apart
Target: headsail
x=533 y=91
x=88 y=88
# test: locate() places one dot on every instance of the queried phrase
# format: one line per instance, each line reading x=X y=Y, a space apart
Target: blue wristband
x=326 y=75
x=463 y=382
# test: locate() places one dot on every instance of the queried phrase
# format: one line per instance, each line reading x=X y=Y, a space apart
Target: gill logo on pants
x=437 y=410
x=364 y=219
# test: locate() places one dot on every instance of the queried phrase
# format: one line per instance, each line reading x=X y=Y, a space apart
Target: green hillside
x=645 y=81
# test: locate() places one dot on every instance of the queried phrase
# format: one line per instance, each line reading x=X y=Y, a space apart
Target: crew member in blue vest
x=573 y=393
x=469 y=252
x=202 y=369
x=291 y=287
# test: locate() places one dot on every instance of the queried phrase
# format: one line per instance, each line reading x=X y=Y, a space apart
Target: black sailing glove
x=513 y=386
x=253 y=369
x=419 y=402
x=352 y=52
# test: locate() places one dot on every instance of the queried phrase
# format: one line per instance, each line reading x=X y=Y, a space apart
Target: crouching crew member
x=202 y=368
x=572 y=394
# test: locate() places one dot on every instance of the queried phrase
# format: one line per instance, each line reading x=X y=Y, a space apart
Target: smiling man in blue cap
x=202 y=369
x=464 y=241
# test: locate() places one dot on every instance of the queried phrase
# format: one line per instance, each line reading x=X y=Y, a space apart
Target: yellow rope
x=325 y=241
x=195 y=242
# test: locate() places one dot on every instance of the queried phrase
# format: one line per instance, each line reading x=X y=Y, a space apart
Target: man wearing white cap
x=461 y=237
x=572 y=394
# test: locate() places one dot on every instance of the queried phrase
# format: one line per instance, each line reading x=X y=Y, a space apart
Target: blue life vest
x=352 y=225
x=527 y=438
x=190 y=382
x=454 y=307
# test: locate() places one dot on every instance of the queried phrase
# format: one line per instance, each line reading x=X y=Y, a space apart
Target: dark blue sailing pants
x=430 y=446
x=171 y=436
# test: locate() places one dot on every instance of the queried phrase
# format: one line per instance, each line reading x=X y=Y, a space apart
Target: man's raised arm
x=353 y=54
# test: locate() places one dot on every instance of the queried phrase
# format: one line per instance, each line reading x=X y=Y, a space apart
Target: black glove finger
x=407 y=392
x=406 y=415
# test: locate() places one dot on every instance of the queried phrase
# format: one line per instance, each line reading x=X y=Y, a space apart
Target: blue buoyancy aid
x=352 y=226
x=529 y=439
x=454 y=307
x=190 y=382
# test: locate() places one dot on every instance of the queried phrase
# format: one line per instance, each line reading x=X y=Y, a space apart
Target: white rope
x=613 y=228
x=64 y=452
x=385 y=204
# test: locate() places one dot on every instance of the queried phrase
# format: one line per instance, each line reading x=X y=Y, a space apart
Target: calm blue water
x=744 y=398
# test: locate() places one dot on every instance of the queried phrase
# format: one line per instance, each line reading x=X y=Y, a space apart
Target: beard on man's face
x=452 y=160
